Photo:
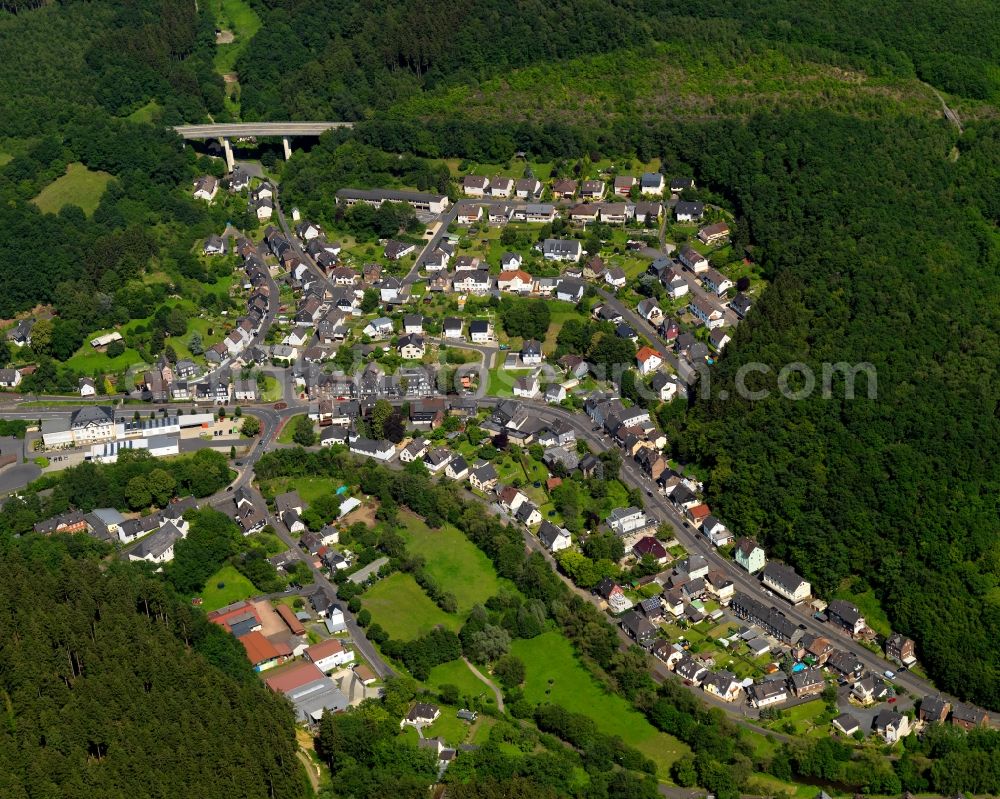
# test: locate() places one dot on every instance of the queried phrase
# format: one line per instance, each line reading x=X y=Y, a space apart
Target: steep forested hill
x=342 y=60
x=112 y=688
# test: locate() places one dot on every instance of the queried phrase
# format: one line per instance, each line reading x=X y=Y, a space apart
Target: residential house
x=475 y=185
x=686 y=211
x=845 y=663
x=480 y=331
x=968 y=717
x=554 y=538
x=469 y=214
x=531 y=352
x=783 y=580
x=457 y=468
x=899 y=647
x=715 y=281
x=750 y=555
x=420 y=715
x=476 y=281
x=526 y=387
x=10 y=378
x=714 y=234
x=562 y=250
x=616 y=277
x=592 y=189
x=613 y=594
x=693 y=259
x=623 y=184
x=378 y=450
x=718 y=584
x=623 y=521
x=414 y=450
x=677 y=185
x=484 y=478
x=740 y=305
x=716 y=531
x=649 y=310
x=394 y=250
x=436 y=459
x=420 y=201
x=768 y=619
x=569 y=290
x=516 y=282
x=501 y=186
x=511 y=499
x=665 y=386
x=638 y=628
x=808 y=682
x=564 y=189
x=452 y=327
x=933 y=708
x=205 y=188
x=718 y=339
x=693 y=567
x=534 y=212
x=649 y=547
x=528 y=514
x=214 y=245
x=651 y=184
x=647 y=213
x=411 y=347
x=528 y=188
x=846 y=615
x=891 y=726
x=690 y=670
x=329 y=655
x=648 y=360
x=768 y=693
x=709 y=315
x=381 y=327
x=20 y=334
x=723 y=684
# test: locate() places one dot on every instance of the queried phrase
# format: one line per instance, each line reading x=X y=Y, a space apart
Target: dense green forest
x=113 y=687
x=338 y=60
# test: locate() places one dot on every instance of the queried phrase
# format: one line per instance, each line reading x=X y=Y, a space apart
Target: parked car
x=888 y=674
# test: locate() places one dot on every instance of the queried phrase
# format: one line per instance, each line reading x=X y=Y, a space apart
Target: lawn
x=236 y=16
x=460 y=675
x=452 y=729
x=309 y=488
x=453 y=561
x=79 y=186
x=403 y=609
x=285 y=436
x=270 y=388
x=502 y=380
x=555 y=675
x=559 y=312
x=234 y=588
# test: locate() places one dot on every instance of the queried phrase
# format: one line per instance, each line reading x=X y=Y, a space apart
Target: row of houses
x=651 y=184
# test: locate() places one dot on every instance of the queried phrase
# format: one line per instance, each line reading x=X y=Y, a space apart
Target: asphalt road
x=238 y=129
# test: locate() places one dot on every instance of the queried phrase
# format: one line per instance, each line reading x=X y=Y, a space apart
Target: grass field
x=555 y=675
x=559 y=312
x=452 y=729
x=285 y=436
x=236 y=16
x=79 y=186
x=453 y=561
x=309 y=488
x=403 y=609
x=458 y=674
x=270 y=388
x=235 y=587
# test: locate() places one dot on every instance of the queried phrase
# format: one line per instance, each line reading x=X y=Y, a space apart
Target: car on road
x=889 y=674
x=280 y=406
x=892 y=700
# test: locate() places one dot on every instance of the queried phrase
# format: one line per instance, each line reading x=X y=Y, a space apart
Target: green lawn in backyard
x=502 y=380
x=309 y=488
x=403 y=609
x=448 y=726
x=555 y=675
x=285 y=436
x=453 y=561
x=234 y=588
x=236 y=16
x=457 y=673
x=79 y=186
x=271 y=542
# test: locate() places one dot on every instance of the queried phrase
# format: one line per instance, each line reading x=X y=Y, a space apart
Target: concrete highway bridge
x=224 y=131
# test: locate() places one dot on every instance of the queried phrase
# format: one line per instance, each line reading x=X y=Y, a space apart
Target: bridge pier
x=286 y=143
x=227 y=148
